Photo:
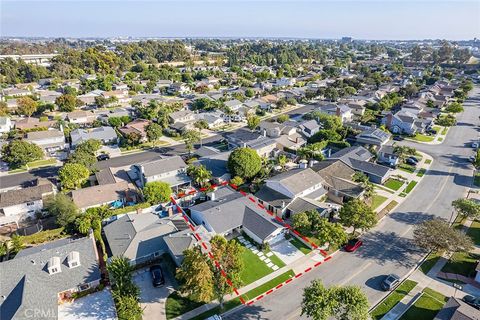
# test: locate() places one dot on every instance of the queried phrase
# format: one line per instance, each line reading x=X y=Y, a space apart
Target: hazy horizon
x=314 y=19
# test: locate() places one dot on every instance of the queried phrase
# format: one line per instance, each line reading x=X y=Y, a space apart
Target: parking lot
x=153 y=299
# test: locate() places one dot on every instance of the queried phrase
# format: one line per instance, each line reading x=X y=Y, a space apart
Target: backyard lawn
x=426 y=307
x=392 y=299
x=474 y=232
x=410 y=186
x=377 y=201
x=462 y=263
x=300 y=245
x=393 y=184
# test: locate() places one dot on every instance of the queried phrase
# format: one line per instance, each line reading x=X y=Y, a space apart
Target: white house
x=5 y=124
x=172 y=170
x=49 y=140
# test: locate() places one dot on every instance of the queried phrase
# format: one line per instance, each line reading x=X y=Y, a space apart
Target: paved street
x=387 y=248
x=23 y=179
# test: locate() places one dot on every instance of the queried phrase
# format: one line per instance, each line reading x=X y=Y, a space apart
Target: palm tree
x=200 y=174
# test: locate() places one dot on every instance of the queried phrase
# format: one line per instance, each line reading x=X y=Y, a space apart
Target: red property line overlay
x=261 y=206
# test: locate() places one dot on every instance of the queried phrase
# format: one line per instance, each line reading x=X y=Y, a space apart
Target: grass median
x=392 y=299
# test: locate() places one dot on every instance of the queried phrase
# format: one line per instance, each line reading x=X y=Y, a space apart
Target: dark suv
x=157 y=275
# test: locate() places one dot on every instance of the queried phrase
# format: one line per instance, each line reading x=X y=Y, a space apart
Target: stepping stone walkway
x=255 y=251
x=269 y=254
x=260 y=254
x=275 y=268
x=263 y=258
x=267 y=260
x=270 y=265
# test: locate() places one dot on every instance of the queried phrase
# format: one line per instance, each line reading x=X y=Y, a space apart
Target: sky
x=377 y=19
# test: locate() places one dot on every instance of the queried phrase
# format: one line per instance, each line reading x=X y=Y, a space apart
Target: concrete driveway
x=286 y=251
x=153 y=299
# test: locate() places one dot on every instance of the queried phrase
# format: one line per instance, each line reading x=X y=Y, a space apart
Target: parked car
x=353 y=245
x=471 y=159
x=473 y=301
x=390 y=282
x=157 y=275
x=414 y=159
x=431 y=131
x=474 y=145
x=103 y=157
x=398 y=138
x=411 y=162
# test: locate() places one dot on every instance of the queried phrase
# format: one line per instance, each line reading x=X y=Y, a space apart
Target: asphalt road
x=26 y=178
x=388 y=247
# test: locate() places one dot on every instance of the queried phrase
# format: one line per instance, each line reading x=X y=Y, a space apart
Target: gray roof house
x=171 y=170
x=217 y=164
x=456 y=309
x=41 y=276
x=49 y=140
x=229 y=211
x=373 y=136
x=180 y=241
x=246 y=138
x=140 y=236
x=358 y=159
x=106 y=135
x=104 y=194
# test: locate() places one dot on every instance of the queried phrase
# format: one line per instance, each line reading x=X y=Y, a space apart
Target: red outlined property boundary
x=261 y=206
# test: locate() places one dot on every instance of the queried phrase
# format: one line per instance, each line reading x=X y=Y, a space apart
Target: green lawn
x=462 y=263
x=276 y=260
x=254 y=267
x=226 y=306
x=440 y=139
x=406 y=167
x=421 y=172
x=436 y=128
x=423 y=138
x=428 y=161
x=476 y=179
x=410 y=186
x=41 y=163
x=300 y=245
x=384 y=189
x=426 y=307
x=392 y=299
x=268 y=285
x=444 y=131
x=393 y=184
x=429 y=262
x=177 y=305
x=474 y=232
x=377 y=201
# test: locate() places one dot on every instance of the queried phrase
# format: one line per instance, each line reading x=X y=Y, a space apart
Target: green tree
x=190 y=137
x=16 y=244
x=476 y=160
x=201 y=125
x=119 y=121
x=437 y=236
x=154 y=132
x=67 y=103
x=120 y=270
x=467 y=208
x=331 y=233
x=283 y=118
x=244 y=162
x=238 y=181
x=133 y=138
x=26 y=106
x=301 y=222
x=73 y=175
x=454 y=107
x=357 y=214
x=19 y=152
x=62 y=208
x=321 y=303
x=200 y=175
x=253 y=121
x=128 y=308
x=157 y=192
x=195 y=275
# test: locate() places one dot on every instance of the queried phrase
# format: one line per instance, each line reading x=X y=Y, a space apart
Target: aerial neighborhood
x=195 y=178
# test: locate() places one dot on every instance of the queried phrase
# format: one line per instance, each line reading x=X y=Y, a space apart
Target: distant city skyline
x=369 y=20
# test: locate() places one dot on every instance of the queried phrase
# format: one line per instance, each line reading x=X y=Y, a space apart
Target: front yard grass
x=426 y=307
x=268 y=285
x=406 y=167
x=428 y=161
x=300 y=245
x=429 y=262
x=392 y=299
x=476 y=179
x=393 y=184
x=226 y=306
x=444 y=131
x=254 y=267
x=421 y=172
x=474 y=232
x=377 y=201
x=410 y=186
x=177 y=305
x=462 y=263
x=389 y=207
x=423 y=138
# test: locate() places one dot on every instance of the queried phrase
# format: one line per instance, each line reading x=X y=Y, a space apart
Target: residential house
x=81 y=117
x=229 y=212
x=33 y=123
x=137 y=126
x=285 y=134
x=140 y=236
x=112 y=194
x=121 y=96
x=182 y=116
x=39 y=278
x=5 y=124
x=309 y=128
x=358 y=158
x=178 y=88
x=284 y=82
x=180 y=241
x=49 y=140
x=172 y=170
x=21 y=204
x=338 y=180
x=404 y=122
x=387 y=155
x=374 y=136
x=283 y=192
x=233 y=105
x=341 y=110
x=244 y=138
x=217 y=164
x=106 y=135
x=456 y=309
x=15 y=93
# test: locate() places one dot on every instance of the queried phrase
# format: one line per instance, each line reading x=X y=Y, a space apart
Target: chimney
x=264 y=132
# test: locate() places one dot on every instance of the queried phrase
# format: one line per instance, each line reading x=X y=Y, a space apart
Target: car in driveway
x=352 y=245
x=157 y=275
x=411 y=162
x=390 y=282
x=398 y=138
x=473 y=301
x=103 y=157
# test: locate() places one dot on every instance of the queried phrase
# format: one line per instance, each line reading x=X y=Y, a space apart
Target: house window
x=54 y=270
x=83 y=287
x=156 y=254
x=30 y=203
